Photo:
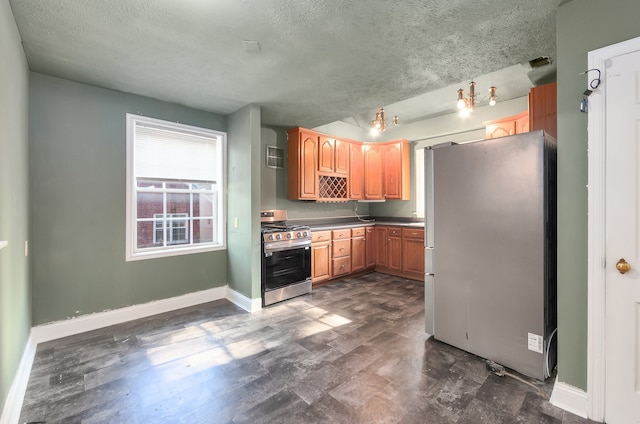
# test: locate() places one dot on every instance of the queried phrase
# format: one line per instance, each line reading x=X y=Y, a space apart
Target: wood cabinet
x=380 y=241
x=413 y=252
x=320 y=256
x=341 y=252
x=394 y=248
x=540 y=115
x=333 y=155
x=402 y=251
x=356 y=171
x=509 y=125
x=396 y=170
x=325 y=168
x=302 y=162
x=358 y=249
x=370 y=247
x=373 y=172
x=543 y=109
x=387 y=170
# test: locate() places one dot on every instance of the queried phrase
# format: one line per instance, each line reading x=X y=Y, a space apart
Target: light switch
x=235 y=222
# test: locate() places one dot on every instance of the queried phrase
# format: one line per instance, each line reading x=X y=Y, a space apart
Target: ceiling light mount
x=379 y=124
x=467 y=104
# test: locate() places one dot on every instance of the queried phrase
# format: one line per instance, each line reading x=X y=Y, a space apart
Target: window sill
x=155 y=254
x=3 y=244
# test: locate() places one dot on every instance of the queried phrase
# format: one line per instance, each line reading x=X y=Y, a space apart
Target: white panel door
x=622 y=85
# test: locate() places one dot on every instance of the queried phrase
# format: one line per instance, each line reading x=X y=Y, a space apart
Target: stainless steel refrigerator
x=490 y=258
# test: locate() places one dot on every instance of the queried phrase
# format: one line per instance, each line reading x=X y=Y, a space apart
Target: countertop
x=338 y=226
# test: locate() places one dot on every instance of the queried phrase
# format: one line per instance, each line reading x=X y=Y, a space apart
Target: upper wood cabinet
x=302 y=163
x=396 y=170
x=325 y=168
x=356 y=171
x=373 y=172
x=543 y=109
x=540 y=115
x=509 y=125
x=333 y=155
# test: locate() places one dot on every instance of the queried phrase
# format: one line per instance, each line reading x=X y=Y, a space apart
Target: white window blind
x=174 y=155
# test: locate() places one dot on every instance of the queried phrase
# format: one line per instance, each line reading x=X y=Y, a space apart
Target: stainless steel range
x=286 y=258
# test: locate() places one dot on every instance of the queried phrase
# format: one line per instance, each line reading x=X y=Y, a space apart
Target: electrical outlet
x=235 y=222
x=26 y=248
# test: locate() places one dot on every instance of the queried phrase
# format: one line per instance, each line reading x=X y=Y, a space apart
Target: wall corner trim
x=249 y=305
x=569 y=398
x=13 y=404
x=56 y=330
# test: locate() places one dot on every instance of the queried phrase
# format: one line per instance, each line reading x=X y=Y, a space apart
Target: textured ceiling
x=318 y=61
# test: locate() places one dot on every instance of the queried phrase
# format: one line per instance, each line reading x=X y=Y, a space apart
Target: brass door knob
x=623 y=266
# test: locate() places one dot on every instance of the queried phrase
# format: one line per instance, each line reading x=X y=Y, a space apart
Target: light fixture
x=379 y=124
x=467 y=104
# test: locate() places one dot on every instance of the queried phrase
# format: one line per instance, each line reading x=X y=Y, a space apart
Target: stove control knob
x=278 y=237
x=299 y=234
x=288 y=235
x=304 y=234
x=271 y=237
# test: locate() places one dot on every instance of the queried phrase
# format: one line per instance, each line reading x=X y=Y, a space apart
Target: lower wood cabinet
x=402 y=253
x=320 y=256
x=341 y=253
x=390 y=249
x=370 y=247
x=413 y=252
x=358 y=249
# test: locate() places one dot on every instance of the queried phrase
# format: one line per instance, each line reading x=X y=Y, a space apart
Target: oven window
x=286 y=267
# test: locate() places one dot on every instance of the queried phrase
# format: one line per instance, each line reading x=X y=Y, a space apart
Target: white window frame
x=219 y=203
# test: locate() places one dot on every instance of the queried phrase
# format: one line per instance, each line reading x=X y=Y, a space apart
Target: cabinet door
x=394 y=248
x=543 y=109
x=500 y=129
x=380 y=236
x=373 y=172
x=320 y=261
x=395 y=170
x=356 y=172
x=370 y=246
x=413 y=252
x=326 y=155
x=302 y=164
x=358 y=254
x=341 y=157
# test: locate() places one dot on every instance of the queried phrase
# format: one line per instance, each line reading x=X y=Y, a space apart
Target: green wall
x=15 y=305
x=77 y=169
x=583 y=26
x=243 y=182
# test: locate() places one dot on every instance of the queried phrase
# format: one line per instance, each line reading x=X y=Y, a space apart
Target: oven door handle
x=268 y=250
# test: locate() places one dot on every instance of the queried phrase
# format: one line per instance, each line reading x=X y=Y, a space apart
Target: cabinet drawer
x=341 y=234
x=357 y=232
x=394 y=231
x=341 y=248
x=413 y=233
x=341 y=266
x=320 y=236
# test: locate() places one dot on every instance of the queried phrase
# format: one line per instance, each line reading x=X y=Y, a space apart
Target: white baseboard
x=15 y=397
x=249 y=305
x=569 y=398
x=59 y=329
x=55 y=330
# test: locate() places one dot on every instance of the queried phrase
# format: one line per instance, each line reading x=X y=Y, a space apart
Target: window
x=175 y=189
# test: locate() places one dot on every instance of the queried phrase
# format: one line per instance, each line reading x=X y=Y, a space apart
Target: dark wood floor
x=352 y=352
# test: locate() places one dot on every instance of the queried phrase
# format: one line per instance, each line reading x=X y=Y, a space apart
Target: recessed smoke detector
x=251 y=46
x=540 y=61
